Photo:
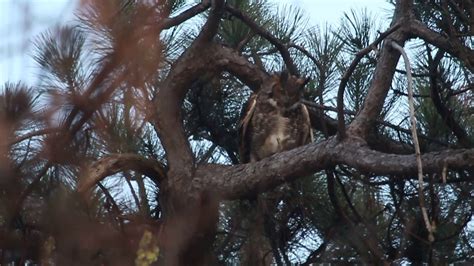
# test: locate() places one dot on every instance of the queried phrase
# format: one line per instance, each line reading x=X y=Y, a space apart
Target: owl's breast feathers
x=267 y=128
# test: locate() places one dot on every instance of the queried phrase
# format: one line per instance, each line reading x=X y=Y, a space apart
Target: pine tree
x=127 y=151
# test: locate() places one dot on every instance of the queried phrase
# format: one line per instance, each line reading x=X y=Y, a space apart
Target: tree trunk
x=256 y=250
x=189 y=228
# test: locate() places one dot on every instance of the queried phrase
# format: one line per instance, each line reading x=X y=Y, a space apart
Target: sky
x=21 y=21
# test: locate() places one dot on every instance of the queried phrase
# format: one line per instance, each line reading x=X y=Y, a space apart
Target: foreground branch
x=116 y=163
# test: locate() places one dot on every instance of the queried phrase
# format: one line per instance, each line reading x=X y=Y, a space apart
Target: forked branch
x=285 y=54
x=348 y=74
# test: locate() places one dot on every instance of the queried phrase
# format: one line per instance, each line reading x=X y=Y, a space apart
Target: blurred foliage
x=148 y=250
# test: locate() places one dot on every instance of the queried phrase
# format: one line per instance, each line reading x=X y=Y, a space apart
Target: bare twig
x=399 y=92
x=309 y=55
x=115 y=208
x=411 y=104
x=267 y=35
x=32 y=134
x=128 y=179
x=444 y=173
x=469 y=87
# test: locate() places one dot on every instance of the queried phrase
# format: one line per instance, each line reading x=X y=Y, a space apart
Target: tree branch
x=451 y=45
x=384 y=71
x=116 y=163
x=322 y=122
x=185 y=15
x=442 y=110
x=411 y=104
x=309 y=55
x=237 y=181
x=32 y=134
x=285 y=54
x=345 y=78
x=231 y=61
x=167 y=118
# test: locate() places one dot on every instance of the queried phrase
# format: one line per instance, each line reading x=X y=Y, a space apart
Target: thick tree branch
x=231 y=61
x=237 y=181
x=209 y=29
x=348 y=74
x=116 y=163
x=167 y=119
x=451 y=45
x=384 y=71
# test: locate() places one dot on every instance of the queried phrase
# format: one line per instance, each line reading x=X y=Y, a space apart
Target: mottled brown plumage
x=275 y=120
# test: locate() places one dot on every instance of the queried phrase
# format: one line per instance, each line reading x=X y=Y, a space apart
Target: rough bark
x=233 y=182
x=384 y=71
x=190 y=213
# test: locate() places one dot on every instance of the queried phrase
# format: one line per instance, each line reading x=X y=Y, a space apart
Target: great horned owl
x=274 y=120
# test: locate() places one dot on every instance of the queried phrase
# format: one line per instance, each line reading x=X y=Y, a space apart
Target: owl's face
x=283 y=91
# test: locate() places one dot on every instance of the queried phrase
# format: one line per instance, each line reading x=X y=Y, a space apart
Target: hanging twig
x=415 y=141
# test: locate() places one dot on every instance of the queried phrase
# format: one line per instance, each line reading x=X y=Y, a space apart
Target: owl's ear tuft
x=302 y=82
x=284 y=76
x=276 y=81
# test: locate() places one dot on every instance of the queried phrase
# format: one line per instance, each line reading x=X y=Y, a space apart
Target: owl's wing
x=307 y=122
x=245 y=129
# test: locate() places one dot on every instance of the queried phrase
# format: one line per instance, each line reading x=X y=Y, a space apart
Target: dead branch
x=411 y=104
